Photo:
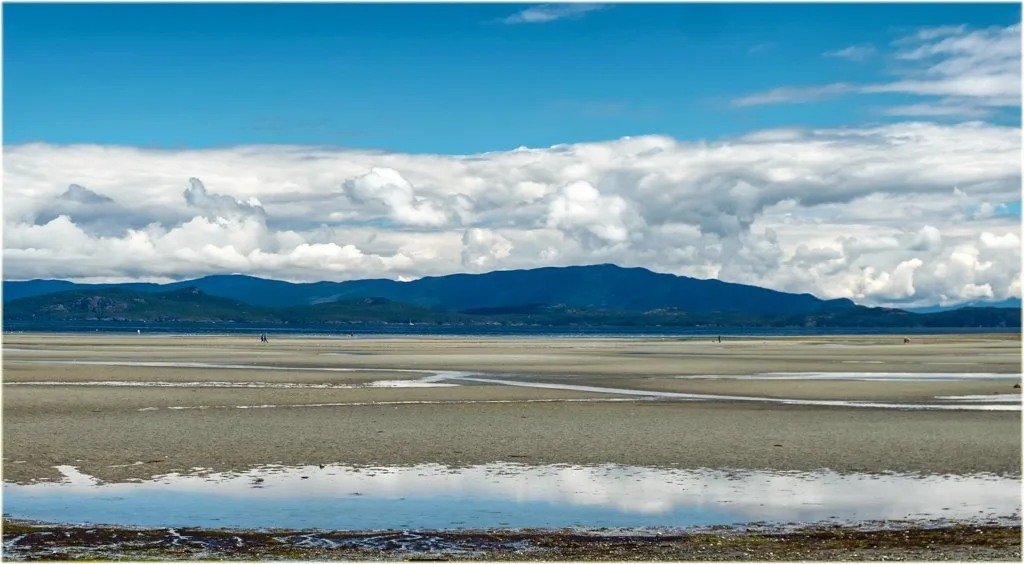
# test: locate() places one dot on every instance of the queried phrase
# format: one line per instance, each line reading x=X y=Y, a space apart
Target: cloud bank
x=905 y=214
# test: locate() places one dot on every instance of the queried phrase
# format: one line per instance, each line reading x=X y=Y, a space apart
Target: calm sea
x=476 y=330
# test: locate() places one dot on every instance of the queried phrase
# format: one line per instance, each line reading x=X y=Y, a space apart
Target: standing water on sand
x=434 y=497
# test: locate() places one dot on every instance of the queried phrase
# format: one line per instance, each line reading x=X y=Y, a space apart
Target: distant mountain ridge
x=192 y=305
x=113 y=304
x=1007 y=303
x=598 y=286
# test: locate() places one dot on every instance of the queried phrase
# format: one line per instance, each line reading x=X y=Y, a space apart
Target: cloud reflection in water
x=507 y=495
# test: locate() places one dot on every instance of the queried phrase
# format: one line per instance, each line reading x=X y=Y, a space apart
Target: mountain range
x=598 y=294
x=1007 y=303
x=599 y=286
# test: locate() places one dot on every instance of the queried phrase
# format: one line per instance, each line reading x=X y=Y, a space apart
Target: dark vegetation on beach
x=601 y=295
x=816 y=543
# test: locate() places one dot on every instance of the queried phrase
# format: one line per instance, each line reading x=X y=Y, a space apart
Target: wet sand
x=97 y=427
x=668 y=356
x=856 y=390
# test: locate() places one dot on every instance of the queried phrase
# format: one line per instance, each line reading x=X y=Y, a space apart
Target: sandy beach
x=310 y=401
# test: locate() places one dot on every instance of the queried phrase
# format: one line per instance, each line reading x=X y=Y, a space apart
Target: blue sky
x=452 y=79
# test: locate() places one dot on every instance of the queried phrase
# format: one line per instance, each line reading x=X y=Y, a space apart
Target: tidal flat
x=146 y=409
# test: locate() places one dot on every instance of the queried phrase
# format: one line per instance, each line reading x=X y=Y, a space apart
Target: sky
x=865 y=151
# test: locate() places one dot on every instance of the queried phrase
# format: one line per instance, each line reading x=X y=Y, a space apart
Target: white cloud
x=946 y=108
x=854 y=52
x=387 y=188
x=198 y=197
x=580 y=209
x=1004 y=241
x=884 y=215
x=483 y=249
x=546 y=13
x=83 y=195
x=927 y=239
x=962 y=72
x=927 y=34
x=792 y=95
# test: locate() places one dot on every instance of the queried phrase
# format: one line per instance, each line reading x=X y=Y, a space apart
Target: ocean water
x=423 y=329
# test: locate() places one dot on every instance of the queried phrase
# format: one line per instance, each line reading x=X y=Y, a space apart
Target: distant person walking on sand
x=719 y=338
x=263 y=338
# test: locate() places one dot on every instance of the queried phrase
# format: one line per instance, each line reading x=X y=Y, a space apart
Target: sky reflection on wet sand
x=507 y=495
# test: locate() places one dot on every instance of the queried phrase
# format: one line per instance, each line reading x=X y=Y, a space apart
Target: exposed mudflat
x=232 y=403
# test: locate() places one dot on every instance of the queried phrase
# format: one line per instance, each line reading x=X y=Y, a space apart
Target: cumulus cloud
x=386 y=188
x=483 y=249
x=890 y=214
x=95 y=213
x=960 y=71
x=83 y=195
x=196 y=196
x=1004 y=241
x=927 y=239
x=581 y=210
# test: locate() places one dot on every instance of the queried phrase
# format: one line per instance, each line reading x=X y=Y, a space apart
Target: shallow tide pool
x=502 y=495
